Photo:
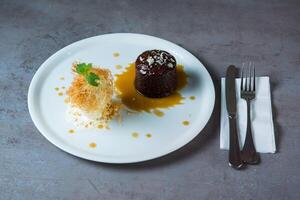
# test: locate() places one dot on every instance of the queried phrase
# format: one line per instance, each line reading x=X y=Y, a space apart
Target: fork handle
x=249 y=154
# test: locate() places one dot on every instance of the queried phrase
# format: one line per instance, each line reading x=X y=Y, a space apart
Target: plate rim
x=87 y=156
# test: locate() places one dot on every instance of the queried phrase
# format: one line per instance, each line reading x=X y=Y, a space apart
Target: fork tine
x=246 y=79
x=242 y=77
x=250 y=77
x=253 y=78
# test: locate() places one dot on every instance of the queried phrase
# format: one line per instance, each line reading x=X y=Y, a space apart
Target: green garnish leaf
x=93 y=79
x=83 y=68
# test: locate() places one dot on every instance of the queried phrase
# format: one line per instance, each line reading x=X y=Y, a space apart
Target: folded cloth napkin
x=261 y=117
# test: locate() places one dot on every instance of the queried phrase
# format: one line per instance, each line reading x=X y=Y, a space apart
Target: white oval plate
x=116 y=145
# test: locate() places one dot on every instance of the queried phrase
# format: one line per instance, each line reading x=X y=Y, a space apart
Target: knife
x=235 y=160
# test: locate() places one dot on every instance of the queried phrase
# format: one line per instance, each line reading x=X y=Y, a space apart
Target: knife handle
x=235 y=160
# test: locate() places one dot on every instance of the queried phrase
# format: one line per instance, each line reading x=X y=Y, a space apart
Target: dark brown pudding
x=155 y=74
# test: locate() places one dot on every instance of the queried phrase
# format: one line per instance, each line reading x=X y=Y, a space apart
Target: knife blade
x=235 y=160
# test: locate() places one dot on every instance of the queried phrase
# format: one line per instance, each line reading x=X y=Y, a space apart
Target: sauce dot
x=56 y=88
x=61 y=78
x=148 y=135
x=135 y=134
x=185 y=123
x=118 y=67
x=93 y=145
x=71 y=131
x=63 y=87
x=158 y=113
x=116 y=54
x=192 y=97
x=60 y=94
x=100 y=126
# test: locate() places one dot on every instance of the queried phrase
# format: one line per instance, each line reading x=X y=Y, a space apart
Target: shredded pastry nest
x=94 y=99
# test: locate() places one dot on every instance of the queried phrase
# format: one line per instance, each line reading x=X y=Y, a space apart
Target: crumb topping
x=96 y=102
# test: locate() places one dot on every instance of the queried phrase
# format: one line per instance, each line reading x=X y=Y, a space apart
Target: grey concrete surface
x=219 y=33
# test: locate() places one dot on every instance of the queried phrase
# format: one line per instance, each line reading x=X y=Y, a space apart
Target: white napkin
x=261 y=117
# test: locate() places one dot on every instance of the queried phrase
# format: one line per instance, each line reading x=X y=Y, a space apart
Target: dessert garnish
x=90 y=96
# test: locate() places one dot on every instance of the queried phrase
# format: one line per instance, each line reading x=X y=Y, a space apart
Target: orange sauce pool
x=132 y=99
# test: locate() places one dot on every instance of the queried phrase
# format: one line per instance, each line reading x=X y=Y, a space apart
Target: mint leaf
x=83 y=68
x=93 y=79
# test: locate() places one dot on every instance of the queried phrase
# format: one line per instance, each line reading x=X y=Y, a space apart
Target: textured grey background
x=218 y=32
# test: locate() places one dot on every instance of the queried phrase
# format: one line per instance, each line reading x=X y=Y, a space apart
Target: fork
x=249 y=154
